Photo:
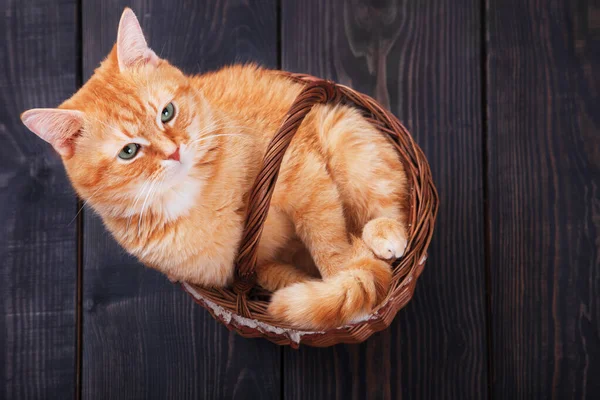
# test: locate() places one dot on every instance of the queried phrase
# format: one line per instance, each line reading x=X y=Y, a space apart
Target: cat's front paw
x=386 y=237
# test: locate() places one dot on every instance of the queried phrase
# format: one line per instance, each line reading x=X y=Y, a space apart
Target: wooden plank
x=544 y=198
x=423 y=60
x=37 y=205
x=143 y=337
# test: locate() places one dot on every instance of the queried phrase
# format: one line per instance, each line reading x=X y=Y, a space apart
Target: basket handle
x=316 y=92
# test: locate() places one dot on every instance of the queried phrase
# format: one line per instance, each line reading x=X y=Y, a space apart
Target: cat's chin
x=179 y=198
x=176 y=173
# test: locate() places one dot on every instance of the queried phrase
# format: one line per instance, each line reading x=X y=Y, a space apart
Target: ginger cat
x=167 y=160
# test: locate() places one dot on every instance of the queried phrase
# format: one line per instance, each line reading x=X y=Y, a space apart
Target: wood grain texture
x=423 y=60
x=37 y=240
x=142 y=336
x=544 y=197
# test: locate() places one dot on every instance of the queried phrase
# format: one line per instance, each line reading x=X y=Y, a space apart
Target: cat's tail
x=342 y=298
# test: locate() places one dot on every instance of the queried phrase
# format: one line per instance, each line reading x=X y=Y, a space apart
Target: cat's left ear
x=132 y=49
x=56 y=126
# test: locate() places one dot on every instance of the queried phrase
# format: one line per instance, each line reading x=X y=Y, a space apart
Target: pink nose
x=175 y=155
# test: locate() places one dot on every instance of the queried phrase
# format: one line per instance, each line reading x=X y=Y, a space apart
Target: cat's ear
x=132 y=48
x=57 y=127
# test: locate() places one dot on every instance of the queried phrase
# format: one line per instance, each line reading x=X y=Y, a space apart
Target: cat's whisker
x=154 y=181
x=208 y=137
x=135 y=201
x=153 y=194
x=202 y=139
x=84 y=203
x=227 y=124
x=141 y=214
x=205 y=146
x=208 y=130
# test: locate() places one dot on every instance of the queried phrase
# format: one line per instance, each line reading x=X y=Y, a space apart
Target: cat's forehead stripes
x=128 y=136
x=115 y=98
x=153 y=105
x=121 y=134
x=125 y=117
x=159 y=97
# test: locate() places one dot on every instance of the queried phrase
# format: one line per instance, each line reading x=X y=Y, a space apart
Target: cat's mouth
x=178 y=170
x=179 y=189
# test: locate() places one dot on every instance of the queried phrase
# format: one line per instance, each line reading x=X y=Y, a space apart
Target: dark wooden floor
x=502 y=95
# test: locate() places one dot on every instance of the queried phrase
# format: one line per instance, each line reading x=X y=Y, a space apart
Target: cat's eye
x=167 y=113
x=129 y=151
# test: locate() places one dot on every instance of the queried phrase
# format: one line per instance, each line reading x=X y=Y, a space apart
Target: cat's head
x=131 y=135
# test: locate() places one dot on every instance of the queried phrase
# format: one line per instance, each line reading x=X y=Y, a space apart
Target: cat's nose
x=175 y=155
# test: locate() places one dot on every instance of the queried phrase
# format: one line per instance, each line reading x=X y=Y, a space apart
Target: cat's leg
x=370 y=177
x=274 y=275
x=274 y=267
x=385 y=230
x=354 y=281
x=318 y=217
x=380 y=209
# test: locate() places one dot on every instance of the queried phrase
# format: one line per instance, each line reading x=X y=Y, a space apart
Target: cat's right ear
x=56 y=126
x=132 y=49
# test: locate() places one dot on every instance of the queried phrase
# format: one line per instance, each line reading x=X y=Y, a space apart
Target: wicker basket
x=243 y=308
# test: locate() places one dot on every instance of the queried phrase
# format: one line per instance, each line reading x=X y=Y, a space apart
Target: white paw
x=388 y=249
x=385 y=237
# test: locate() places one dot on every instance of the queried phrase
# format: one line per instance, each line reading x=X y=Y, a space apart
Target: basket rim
x=291 y=336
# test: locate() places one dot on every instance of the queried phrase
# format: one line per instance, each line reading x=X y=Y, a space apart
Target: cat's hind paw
x=386 y=237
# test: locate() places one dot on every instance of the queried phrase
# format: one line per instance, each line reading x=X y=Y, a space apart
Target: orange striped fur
x=179 y=204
